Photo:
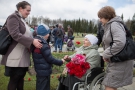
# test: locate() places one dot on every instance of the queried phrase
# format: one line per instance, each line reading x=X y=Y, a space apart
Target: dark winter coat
x=43 y=59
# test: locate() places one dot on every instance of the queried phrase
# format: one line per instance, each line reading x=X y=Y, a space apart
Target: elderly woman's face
x=86 y=42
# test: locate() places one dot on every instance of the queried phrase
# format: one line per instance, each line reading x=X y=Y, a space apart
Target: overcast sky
x=69 y=9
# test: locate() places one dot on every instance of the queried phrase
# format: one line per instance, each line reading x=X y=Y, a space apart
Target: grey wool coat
x=117 y=74
x=18 y=54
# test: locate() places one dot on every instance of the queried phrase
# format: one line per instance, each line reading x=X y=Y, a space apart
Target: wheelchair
x=93 y=80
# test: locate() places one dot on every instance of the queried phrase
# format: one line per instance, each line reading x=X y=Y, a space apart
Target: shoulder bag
x=5 y=39
x=127 y=53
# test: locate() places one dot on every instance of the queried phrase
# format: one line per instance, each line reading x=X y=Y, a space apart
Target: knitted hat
x=93 y=39
x=43 y=30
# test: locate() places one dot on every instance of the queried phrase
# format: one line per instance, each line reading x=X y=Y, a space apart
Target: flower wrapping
x=78 y=58
x=78 y=66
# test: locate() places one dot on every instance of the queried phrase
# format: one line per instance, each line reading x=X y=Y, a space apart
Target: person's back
x=60 y=33
x=70 y=31
x=55 y=31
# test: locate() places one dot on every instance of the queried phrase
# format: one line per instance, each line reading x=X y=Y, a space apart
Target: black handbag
x=5 y=40
x=127 y=53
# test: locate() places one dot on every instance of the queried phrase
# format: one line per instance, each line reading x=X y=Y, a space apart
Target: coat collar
x=91 y=47
x=19 y=14
x=43 y=40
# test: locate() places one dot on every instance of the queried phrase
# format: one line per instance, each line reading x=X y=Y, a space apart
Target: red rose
x=70 y=65
x=29 y=79
x=71 y=72
x=87 y=65
x=77 y=42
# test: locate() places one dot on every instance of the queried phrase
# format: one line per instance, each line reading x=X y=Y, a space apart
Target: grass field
x=30 y=81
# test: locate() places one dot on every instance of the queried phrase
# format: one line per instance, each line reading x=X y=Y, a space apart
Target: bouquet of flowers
x=78 y=66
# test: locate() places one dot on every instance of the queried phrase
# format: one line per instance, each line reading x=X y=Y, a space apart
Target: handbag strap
x=126 y=30
x=4 y=26
x=112 y=40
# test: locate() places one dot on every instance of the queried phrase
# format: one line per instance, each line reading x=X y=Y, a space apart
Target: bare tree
x=40 y=19
x=34 y=21
x=46 y=21
x=28 y=20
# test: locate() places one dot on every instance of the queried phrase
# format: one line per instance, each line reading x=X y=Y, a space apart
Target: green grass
x=31 y=85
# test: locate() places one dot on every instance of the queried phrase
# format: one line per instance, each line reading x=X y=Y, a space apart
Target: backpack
x=128 y=52
x=69 y=44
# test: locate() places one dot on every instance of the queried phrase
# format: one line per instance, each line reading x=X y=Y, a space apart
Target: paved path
x=129 y=87
x=64 y=49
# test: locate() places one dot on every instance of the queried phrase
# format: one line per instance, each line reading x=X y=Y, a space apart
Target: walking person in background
x=55 y=36
x=17 y=58
x=43 y=59
x=100 y=33
x=70 y=35
x=60 y=36
x=121 y=73
x=70 y=31
x=0 y=27
x=48 y=39
x=51 y=35
x=63 y=32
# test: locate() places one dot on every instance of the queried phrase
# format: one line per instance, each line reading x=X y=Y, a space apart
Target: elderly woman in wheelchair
x=90 y=50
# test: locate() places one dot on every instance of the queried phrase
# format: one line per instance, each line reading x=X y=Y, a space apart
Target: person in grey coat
x=121 y=73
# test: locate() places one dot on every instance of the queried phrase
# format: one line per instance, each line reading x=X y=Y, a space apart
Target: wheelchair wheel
x=96 y=84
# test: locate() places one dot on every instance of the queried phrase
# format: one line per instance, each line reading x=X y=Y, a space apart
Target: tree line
x=78 y=25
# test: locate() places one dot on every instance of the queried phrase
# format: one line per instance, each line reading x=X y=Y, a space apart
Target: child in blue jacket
x=43 y=59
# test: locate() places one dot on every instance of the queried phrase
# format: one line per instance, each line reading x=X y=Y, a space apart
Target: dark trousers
x=16 y=82
x=55 y=39
x=43 y=83
x=69 y=82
